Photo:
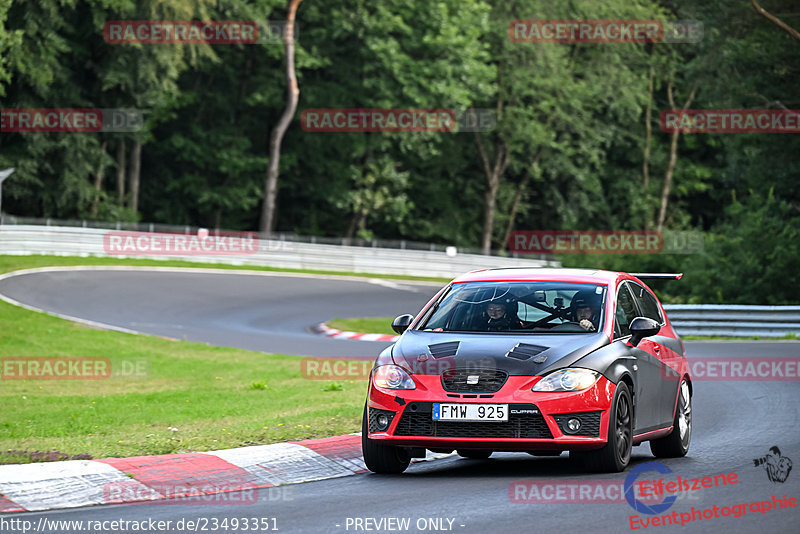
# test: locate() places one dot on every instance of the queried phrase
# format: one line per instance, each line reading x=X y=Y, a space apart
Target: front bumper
x=537 y=421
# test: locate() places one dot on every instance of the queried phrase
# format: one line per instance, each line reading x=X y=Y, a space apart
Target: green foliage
x=579 y=107
x=7 y=40
x=753 y=257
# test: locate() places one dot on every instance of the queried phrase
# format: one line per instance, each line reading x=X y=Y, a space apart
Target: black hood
x=530 y=354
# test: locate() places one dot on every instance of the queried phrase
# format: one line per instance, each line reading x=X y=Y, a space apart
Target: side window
x=625 y=311
x=647 y=303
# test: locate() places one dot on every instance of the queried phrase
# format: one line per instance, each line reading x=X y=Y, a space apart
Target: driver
x=501 y=316
x=585 y=311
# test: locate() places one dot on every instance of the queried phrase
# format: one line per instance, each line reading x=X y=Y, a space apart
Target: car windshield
x=534 y=307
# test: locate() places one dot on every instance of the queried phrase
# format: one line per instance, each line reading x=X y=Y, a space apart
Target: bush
x=752 y=256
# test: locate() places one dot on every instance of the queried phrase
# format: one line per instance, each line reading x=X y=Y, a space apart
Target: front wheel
x=616 y=454
x=676 y=443
x=381 y=458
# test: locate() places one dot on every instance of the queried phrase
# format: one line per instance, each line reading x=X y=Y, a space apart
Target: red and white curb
x=231 y=474
x=327 y=331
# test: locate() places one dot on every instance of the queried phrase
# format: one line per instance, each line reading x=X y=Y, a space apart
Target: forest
x=573 y=140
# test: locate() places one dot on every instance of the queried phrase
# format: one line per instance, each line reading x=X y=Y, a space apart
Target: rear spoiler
x=658 y=276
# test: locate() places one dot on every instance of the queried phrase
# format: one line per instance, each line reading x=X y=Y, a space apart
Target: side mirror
x=401 y=323
x=642 y=327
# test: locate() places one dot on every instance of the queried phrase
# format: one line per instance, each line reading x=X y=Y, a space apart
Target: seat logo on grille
x=473 y=379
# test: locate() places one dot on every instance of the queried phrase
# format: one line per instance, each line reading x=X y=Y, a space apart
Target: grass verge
x=13 y=263
x=366 y=325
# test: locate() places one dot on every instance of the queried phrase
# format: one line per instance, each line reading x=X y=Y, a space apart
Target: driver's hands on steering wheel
x=587 y=325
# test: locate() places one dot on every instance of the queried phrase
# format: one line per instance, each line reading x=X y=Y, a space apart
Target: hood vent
x=525 y=351
x=444 y=350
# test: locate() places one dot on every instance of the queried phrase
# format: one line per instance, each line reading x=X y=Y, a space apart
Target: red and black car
x=532 y=360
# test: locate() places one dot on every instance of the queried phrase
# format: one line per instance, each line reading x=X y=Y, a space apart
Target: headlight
x=574 y=379
x=392 y=377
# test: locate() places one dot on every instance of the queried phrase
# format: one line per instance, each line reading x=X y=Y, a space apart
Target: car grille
x=417 y=420
x=489 y=380
x=590 y=423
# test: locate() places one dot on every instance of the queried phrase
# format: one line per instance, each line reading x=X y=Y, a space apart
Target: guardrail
x=80 y=241
x=734 y=320
x=288 y=251
x=403 y=244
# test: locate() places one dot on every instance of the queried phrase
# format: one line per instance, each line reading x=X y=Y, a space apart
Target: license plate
x=470 y=412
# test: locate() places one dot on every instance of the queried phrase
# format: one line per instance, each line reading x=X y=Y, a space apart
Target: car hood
x=529 y=354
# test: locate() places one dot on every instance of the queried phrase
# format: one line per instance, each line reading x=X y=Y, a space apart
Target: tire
x=676 y=444
x=380 y=458
x=474 y=455
x=616 y=454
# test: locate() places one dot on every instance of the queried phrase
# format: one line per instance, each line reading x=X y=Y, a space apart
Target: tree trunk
x=362 y=221
x=351 y=229
x=513 y=213
x=775 y=20
x=489 y=199
x=673 y=158
x=518 y=200
x=98 y=181
x=649 y=135
x=292 y=97
x=134 y=174
x=494 y=173
x=121 y=172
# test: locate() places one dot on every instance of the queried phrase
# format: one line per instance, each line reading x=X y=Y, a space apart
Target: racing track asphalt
x=269 y=312
x=734 y=421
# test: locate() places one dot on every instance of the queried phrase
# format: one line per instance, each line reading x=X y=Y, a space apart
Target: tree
x=7 y=40
x=775 y=20
x=292 y=97
x=560 y=109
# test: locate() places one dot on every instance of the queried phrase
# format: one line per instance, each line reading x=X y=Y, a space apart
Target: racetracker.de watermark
x=335 y=369
x=584 y=492
x=604 y=242
x=605 y=31
x=213 y=32
x=740 y=369
x=397 y=120
x=233 y=492
x=203 y=243
x=344 y=369
x=75 y=120
x=72 y=368
x=730 y=120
